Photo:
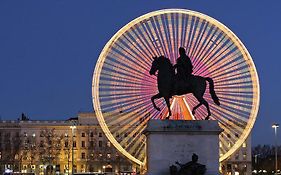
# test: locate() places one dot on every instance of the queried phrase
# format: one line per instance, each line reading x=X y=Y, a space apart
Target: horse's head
x=154 y=66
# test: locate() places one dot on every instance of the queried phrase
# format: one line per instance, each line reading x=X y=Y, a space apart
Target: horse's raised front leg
x=153 y=98
x=167 y=99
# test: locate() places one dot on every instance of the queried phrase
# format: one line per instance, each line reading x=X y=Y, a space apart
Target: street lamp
x=72 y=152
x=275 y=126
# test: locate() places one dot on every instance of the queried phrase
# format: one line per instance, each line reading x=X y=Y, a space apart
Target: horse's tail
x=212 y=90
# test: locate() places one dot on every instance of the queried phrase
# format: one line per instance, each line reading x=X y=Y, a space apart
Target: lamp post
x=68 y=152
x=275 y=126
x=72 y=151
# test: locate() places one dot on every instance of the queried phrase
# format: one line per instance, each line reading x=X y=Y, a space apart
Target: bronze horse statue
x=166 y=80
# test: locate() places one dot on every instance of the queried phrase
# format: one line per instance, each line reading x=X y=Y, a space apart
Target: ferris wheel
x=122 y=87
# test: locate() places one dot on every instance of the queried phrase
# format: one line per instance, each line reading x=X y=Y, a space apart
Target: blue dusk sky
x=48 y=51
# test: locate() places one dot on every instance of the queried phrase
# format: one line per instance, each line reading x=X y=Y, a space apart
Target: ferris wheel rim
x=226 y=30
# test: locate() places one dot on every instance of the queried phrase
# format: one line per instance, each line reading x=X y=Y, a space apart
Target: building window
x=83 y=134
x=66 y=144
x=228 y=167
x=108 y=155
x=100 y=144
x=91 y=134
x=83 y=155
x=83 y=144
x=83 y=168
x=244 y=145
x=237 y=156
x=244 y=156
x=74 y=144
x=100 y=134
x=235 y=167
x=108 y=144
x=92 y=155
x=41 y=144
x=25 y=134
x=91 y=144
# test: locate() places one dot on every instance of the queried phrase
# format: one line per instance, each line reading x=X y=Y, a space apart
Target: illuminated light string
x=122 y=86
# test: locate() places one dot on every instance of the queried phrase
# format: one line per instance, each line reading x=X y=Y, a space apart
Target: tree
x=50 y=148
x=263 y=157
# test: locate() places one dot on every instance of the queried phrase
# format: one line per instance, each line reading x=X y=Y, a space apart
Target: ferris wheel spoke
x=154 y=36
x=234 y=71
x=210 y=57
x=216 y=57
x=128 y=59
x=233 y=74
x=160 y=40
x=142 y=31
x=208 y=46
x=199 y=32
x=203 y=43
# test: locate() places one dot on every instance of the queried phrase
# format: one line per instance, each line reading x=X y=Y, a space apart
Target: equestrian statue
x=179 y=80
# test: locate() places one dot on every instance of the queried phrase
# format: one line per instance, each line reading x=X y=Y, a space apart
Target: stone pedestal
x=168 y=141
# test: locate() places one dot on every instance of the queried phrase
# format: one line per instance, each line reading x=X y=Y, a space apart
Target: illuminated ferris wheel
x=122 y=86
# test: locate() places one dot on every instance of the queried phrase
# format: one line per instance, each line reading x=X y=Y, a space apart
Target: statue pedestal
x=168 y=141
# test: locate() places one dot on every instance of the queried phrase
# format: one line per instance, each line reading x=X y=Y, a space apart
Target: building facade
x=78 y=145
x=239 y=163
x=49 y=147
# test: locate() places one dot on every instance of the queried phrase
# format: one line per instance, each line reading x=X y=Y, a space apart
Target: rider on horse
x=184 y=70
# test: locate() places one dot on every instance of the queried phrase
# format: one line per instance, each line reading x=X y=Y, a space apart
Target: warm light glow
x=72 y=127
x=122 y=86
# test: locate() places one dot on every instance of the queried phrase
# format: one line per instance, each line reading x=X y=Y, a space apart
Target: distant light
x=275 y=125
x=72 y=127
x=8 y=171
x=33 y=135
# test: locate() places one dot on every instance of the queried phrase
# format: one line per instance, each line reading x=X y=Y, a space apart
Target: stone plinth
x=168 y=141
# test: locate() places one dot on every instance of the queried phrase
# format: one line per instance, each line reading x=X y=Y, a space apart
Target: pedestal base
x=169 y=141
